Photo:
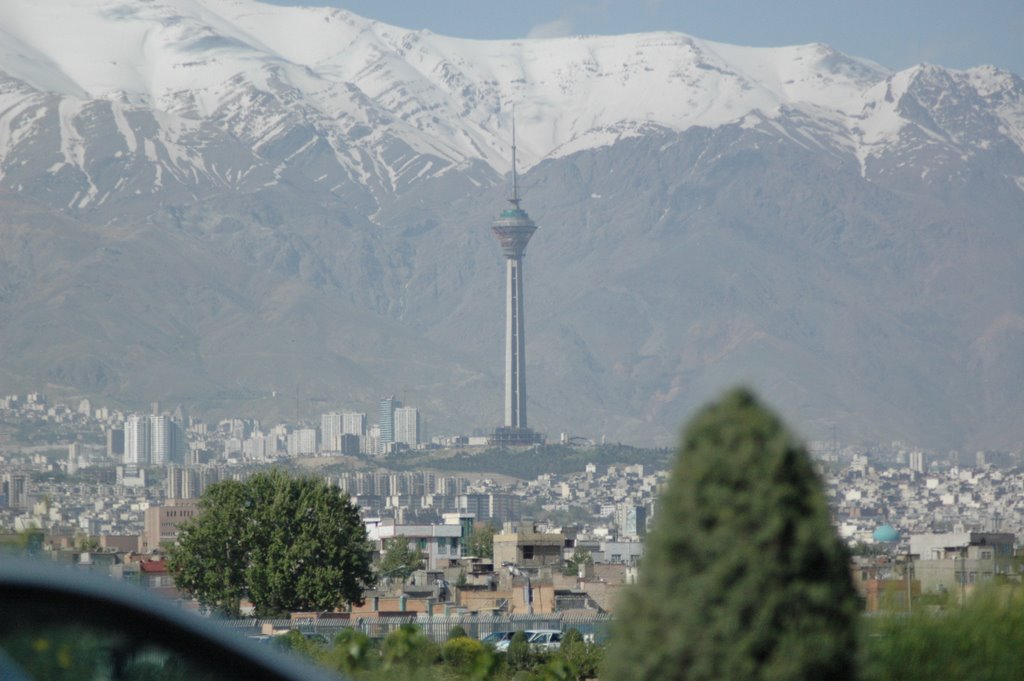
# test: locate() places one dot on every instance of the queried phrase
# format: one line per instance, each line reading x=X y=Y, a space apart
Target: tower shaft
x=515 y=346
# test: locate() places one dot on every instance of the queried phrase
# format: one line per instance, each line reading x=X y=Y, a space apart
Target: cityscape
x=772 y=428
x=121 y=484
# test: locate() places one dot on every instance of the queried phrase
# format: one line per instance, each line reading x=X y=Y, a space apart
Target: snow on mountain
x=187 y=183
x=358 y=102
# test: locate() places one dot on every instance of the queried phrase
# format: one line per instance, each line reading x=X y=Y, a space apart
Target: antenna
x=515 y=176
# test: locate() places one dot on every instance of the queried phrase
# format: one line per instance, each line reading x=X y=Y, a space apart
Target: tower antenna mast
x=515 y=175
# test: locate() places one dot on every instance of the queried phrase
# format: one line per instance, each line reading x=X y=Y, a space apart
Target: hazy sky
x=895 y=33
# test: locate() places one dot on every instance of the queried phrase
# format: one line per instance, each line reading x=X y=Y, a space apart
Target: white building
x=331 y=425
x=917 y=461
x=440 y=545
x=353 y=423
x=302 y=442
x=159 y=439
x=407 y=426
x=136 y=440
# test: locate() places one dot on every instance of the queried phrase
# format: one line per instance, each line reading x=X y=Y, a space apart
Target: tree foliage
x=399 y=559
x=744 y=577
x=287 y=543
x=580 y=557
x=481 y=541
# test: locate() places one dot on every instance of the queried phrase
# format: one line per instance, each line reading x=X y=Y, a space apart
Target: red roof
x=152 y=566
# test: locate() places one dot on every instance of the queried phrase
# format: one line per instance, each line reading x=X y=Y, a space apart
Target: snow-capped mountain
x=354 y=167
x=265 y=90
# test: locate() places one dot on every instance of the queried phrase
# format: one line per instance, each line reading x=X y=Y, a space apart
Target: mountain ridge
x=226 y=220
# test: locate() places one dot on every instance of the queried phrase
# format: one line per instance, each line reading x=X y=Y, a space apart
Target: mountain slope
x=225 y=202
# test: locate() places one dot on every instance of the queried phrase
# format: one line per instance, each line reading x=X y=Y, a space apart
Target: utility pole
x=906 y=568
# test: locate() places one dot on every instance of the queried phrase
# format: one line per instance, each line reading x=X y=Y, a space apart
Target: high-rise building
x=917 y=461
x=372 y=440
x=115 y=443
x=302 y=442
x=136 y=440
x=353 y=423
x=631 y=520
x=513 y=229
x=407 y=425
x=159 y=439
x=331 y=428
x=387 y=421
x=16 y=489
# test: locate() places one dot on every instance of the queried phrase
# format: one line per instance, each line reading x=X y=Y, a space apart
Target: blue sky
x=895 y=33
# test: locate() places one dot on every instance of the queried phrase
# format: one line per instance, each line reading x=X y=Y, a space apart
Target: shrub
x=408 y=648
x=744 y=577
x=353 y=652
x=583 y=658
x=519 y=656
x=467 y=657
x=983 y=640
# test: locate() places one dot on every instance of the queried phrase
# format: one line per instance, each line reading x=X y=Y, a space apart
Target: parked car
x=545 y=639
x=498 y=639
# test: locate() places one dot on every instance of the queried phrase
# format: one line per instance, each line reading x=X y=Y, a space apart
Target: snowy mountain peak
x=289 y=88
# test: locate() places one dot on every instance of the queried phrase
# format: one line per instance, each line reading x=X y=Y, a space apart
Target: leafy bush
x=519 y=656
x=583 y=658
x=467 y=657
x=408 y=648
x=353 y=652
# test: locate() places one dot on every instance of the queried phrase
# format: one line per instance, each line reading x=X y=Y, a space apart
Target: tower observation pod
x=513 y=229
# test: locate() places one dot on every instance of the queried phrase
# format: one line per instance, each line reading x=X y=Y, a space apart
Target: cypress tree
x=744 y=576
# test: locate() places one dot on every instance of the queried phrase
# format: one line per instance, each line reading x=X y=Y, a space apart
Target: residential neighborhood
x=917 y=522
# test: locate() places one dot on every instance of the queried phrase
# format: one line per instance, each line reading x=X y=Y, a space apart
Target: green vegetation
x=481 y=541
x=287 y=543
x=580 y=557
x=400 y=559
x=744 y=577
x=407 y=653
x=983 y=640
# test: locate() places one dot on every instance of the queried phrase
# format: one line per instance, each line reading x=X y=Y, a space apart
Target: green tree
x=287 y=543
x=744 y=576
x=399 y=559
x=481 y=541
x=579 y=557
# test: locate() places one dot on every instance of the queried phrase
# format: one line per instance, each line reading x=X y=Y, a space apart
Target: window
x=527 y=553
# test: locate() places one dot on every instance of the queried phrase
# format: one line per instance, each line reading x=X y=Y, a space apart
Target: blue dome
x=885 y=534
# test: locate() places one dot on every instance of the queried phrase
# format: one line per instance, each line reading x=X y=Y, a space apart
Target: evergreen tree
x=288 y=543
x=744 y=576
